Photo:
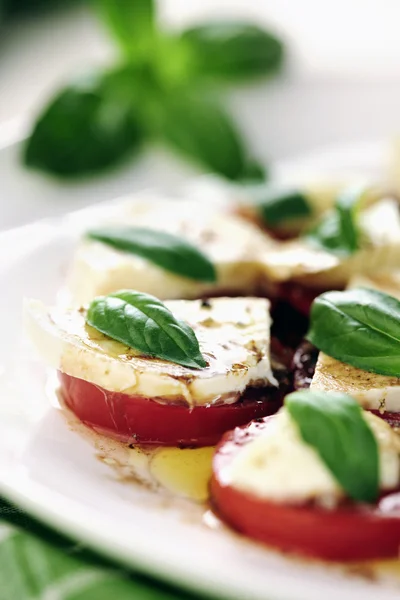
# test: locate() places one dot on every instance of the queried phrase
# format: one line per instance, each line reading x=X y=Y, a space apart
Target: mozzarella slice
x=387 y=282
x=234 y=337
x=279 y=466
x=233 y=245
x=373 y=392
x=315 y=267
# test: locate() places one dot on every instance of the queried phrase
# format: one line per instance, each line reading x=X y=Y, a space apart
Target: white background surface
x=341 y=83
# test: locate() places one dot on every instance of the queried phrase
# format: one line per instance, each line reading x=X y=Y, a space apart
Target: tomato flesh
x=135 y=419
x=350 y=532
x=392 y=418
x=299 y=296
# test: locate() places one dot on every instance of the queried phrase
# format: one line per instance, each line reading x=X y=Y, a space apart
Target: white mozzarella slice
x=279 y=466
x=314 y=267
x=233 y=333
x=386 y=282
x=373 y=392
x=233 y=245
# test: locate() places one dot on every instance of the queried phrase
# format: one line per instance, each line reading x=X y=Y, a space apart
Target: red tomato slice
x=392 y=418
x=135 y=419
x=298 y=296
x=351 y=532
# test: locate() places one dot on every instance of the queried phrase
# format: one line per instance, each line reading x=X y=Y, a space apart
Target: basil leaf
x=200 y=129
x=338 y=231
x=168 y=251
x=132 y=22
x=233 y=50
x=277 y=206
x=333 y=424
x=360 y=327
x=144 y=323
x=254 y=173
x=86 y=128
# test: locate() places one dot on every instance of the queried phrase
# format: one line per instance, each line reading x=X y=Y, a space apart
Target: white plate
x=52 y=472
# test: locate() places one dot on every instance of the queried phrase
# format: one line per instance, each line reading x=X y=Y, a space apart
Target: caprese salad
x=189 y=324
x=180 y=373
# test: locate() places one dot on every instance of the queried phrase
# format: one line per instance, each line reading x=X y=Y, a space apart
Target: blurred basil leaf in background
x=132 y=23
x=234 y=51
x=87 y=127
x=200 y=129
x=279 y=205
x=161 y=92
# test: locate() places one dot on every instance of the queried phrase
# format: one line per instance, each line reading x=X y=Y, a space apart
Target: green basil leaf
x=254 y=173
x=87 y=127
x=277 y=206
x=338 y=231
x=360 y=327
x=333 y=424
x=132 y=22
x=168 y=251
x=201 y=130
x=144 y=323
x=233 y=50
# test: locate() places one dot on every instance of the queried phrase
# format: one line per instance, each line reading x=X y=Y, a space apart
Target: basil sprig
x=360 y=327
x=277 y=206
x=333 y=424
x=338 y=231
x=168 y=251
x=142 y=322
x=159 y=90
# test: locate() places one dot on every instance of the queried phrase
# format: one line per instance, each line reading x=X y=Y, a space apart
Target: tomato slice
x=135 y=419
x=392 y=418
x=299 y=296
x=350 y=532
x=303 y=365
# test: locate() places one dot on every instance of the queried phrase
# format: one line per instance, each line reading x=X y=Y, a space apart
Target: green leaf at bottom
x=37 y=563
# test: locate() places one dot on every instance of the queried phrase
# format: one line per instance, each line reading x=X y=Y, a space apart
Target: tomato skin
x=392 y=418
x=347 y=533
x=134 y=419
x=299 y=296
x=303 y=365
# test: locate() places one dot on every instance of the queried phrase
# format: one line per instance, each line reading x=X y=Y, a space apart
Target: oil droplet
x=185 y=472
x=386 y=568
